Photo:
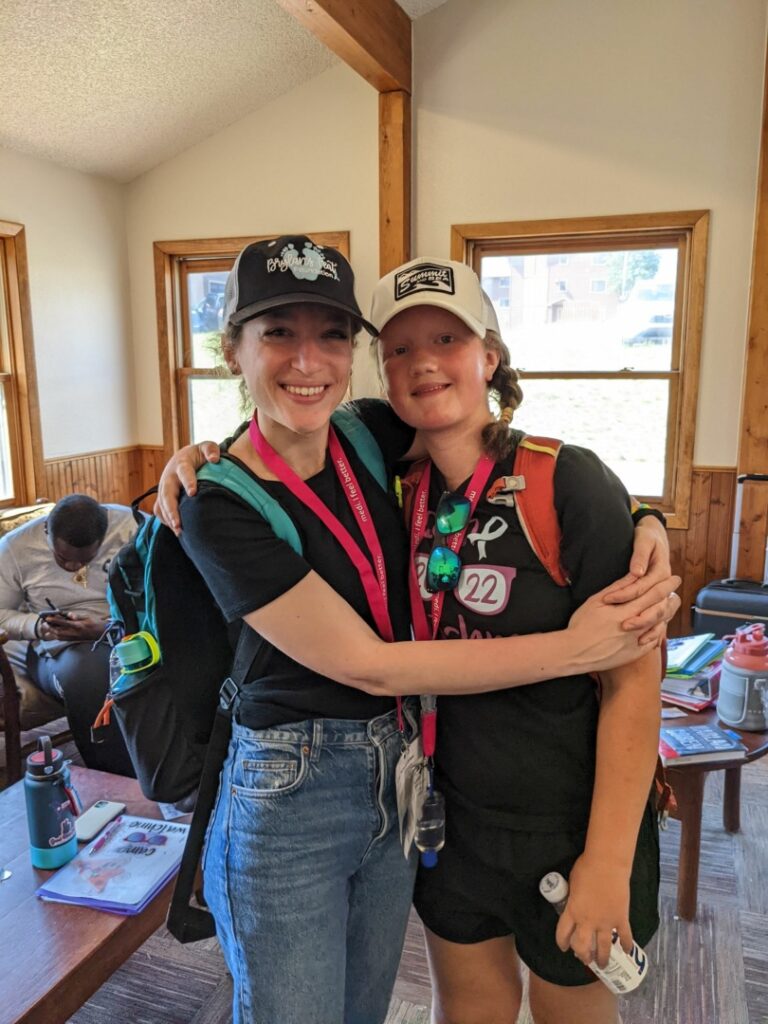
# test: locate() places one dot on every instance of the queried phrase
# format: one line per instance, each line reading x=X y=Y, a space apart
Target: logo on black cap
x=307 y=267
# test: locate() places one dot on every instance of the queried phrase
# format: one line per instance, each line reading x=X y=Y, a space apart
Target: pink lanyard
x=375 y=586
x=421 y=627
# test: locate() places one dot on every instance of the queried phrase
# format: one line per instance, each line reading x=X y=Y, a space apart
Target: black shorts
x=486 y=885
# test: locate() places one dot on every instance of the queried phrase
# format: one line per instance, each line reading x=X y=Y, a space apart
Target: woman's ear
x=228 y=351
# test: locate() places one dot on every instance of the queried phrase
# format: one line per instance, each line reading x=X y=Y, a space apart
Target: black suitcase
x=723 y=605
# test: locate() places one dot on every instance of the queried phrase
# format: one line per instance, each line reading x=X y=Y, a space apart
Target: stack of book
x=693 y=671
x=696 y=744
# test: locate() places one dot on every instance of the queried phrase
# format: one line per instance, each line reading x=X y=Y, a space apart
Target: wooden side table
x=687 y=781
x=53 y=956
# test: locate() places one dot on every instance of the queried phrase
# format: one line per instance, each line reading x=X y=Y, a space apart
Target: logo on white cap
x=307 y=267
x=427 y=277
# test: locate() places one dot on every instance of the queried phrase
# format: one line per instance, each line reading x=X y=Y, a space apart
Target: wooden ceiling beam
x=372 y=36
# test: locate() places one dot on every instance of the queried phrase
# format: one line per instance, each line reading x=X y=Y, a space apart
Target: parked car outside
x=648 y=314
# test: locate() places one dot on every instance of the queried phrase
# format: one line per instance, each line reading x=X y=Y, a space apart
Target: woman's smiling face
x=296 y=361
x=435 y=369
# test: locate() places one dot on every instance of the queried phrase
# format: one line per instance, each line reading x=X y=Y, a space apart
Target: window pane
x=612 y=310
x=6 y=470
x=205 y=296
x=216 y=407
x=623 y=421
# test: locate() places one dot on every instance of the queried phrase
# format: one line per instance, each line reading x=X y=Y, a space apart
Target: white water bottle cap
x=553 y=887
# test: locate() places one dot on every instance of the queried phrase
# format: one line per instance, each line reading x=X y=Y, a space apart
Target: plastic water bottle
x=743 y=697
x=624 y=971
x=52 y=806
x=430 y=828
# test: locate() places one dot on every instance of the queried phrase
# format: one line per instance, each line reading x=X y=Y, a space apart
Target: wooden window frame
x=18 y=376
x=688 y=231
x=169 y=259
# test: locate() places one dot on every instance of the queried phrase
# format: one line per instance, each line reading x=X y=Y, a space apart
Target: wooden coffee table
x=687 y=781
x=53 y=957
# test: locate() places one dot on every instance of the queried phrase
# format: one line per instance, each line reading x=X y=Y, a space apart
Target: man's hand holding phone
x=55 y=624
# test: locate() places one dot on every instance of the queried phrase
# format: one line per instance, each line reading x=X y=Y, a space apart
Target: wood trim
x=372 y=36
x=753 y=441
x=24 y=407
x=688 y=229
x=394 y=180
x=612 y=226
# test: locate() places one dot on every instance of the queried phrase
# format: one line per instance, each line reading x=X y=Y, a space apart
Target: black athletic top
x=246 y=567
x=525 y=757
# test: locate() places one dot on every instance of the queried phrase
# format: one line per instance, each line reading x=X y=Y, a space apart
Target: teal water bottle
x=52 y=806
x=130 y=659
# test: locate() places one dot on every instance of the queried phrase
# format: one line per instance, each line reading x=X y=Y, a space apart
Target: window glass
x=610 y=314
x=623 y=421
x=205 y=310
x=217 y=405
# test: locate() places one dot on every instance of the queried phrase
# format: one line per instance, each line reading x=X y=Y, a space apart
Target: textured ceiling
x=114 y=87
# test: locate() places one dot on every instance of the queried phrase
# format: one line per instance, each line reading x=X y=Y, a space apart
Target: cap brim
x=478 y=327
x=256 y=308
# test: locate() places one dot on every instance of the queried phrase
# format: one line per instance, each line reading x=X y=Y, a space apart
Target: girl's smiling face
x=435 y=369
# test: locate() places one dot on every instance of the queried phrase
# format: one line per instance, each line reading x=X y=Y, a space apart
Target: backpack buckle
x=228 y=693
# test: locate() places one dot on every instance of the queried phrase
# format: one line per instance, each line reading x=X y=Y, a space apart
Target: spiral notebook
x=123 y=868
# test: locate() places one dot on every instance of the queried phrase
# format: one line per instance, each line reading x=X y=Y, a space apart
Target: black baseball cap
x=293 y=268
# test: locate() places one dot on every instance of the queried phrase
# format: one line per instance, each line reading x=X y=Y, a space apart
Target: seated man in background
x=53 y=606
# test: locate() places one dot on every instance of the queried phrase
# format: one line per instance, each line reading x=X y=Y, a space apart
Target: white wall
x=532 y=109
x=78 y=278
x=306 y=162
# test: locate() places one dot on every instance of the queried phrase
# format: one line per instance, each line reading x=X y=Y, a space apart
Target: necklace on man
x=81 y=576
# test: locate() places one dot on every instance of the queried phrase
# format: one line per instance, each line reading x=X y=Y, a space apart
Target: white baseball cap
x=432 y=282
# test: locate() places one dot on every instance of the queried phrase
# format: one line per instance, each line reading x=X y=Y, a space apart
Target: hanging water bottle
x=130 y=658
x=129 y=661
x=624 y=971
x=430 y=828
x=52 y=806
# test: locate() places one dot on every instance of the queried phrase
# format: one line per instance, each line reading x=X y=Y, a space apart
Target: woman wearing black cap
x=303 y=868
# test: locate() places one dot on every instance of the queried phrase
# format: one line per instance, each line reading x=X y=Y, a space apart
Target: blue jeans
x=305 y=874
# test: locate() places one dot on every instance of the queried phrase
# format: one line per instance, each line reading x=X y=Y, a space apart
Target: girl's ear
x=492 y=360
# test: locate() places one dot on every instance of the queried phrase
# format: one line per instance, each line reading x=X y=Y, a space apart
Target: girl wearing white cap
x=535 y=779
x=303 y=867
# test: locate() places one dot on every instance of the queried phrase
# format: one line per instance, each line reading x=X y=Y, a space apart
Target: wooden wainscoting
x=703 y=551
x=699 y=554
x=114 y=475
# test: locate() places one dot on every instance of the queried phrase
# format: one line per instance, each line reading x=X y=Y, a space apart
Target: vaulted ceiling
x=114 y=87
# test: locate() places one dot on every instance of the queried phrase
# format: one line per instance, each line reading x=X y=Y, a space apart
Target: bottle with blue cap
x=430 y=828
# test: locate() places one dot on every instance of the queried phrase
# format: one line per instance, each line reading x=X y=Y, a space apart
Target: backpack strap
x=187 y=922
x=364 y=443
x=535 y=459
x=228 y=474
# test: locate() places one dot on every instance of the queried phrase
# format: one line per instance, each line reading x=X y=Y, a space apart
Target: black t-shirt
x=246 y=567
x=524 y=757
